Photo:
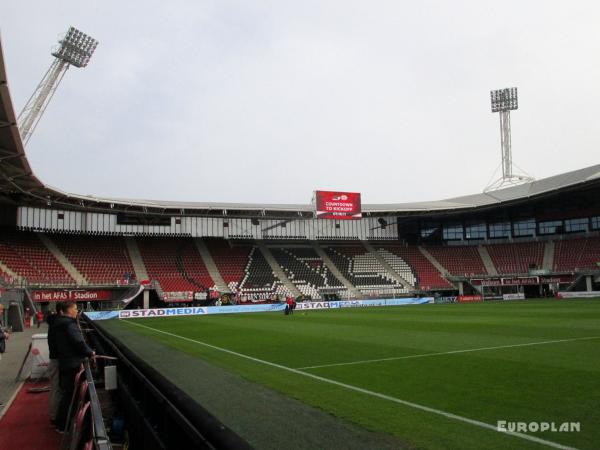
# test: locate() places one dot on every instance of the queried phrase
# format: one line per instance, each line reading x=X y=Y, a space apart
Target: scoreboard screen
x=338 y=205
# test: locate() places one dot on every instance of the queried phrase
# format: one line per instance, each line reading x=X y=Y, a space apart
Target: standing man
x=3 y=338
x=39 y=316
x=72 y=351
x=53 y=363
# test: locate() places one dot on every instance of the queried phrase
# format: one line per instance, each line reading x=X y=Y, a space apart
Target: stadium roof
x=20 y=186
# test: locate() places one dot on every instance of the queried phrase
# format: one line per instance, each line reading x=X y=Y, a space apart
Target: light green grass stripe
x=364 y=391
x=422 y=355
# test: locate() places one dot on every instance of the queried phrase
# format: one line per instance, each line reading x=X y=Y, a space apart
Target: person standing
x=72 y=351
x=3 y=338
x=39 y=316
x=54 y=399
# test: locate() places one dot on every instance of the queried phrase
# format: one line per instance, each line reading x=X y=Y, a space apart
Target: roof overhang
x=20 y=186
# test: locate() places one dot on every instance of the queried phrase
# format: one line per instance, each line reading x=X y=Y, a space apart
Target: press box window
x=476 y=231
x=453 y=232
x=524 y=228
x=574 y=225
x=500 y=230
x=552 y=227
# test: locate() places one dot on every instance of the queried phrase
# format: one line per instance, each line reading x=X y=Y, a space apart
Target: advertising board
x=76 y=295
x=338 y=205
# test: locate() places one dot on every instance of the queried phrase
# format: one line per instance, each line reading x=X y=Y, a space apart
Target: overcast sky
x=266 y=101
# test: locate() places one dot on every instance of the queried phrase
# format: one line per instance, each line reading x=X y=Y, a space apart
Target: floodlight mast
x=503 y=102
x=74 y=49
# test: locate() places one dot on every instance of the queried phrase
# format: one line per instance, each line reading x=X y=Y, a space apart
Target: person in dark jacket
x=72 y=351
x=54 y=398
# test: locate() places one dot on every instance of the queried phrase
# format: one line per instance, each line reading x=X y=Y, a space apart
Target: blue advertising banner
x=237 y=309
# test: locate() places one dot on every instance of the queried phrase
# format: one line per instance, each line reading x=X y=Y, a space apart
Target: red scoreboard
x=338 y=205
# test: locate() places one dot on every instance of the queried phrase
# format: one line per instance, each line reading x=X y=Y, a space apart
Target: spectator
x=53 y=363
x=3 y=338
x=39 y=317
x=72 y=351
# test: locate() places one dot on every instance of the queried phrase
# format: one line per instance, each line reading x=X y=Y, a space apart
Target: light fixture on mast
x=74 y=49
x=503 y=102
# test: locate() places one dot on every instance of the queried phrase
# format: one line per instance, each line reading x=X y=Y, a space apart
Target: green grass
x=555 y=382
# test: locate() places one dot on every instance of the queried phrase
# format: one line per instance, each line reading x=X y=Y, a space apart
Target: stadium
x=469 y=322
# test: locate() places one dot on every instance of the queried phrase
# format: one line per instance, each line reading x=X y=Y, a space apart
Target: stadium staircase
x=335 y=271
x=27 y=256
x=62 y=259
x=548 y=260
x=277 y=270
x=386 y=265
x=487 y=260
x=433 y=261
x=212 y=268
x=8 y=271
x=306 y=270
x=180 y=264
x=136 y=259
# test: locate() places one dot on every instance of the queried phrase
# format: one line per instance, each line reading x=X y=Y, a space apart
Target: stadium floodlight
x=74 y=49
x=504 y=99
x=503 y=102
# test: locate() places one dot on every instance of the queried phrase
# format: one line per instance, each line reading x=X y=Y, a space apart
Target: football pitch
x=431 y=376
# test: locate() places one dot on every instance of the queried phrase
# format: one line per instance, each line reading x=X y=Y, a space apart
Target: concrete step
x=212 y=268
x=354 y=292
x=136 y=259
x=62 y=259
x=548 y=261
x=487 y=260
x=433 y=261
x=7 y=270
x=277 y=270
x=395 y=275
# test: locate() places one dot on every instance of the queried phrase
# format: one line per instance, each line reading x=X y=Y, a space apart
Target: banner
x=517 y=296
x=160 y=312
x=522 y=281
x=185 y=296
x=196 y=311
x=79 y=295
x=469 y=298
x=582 y=294
x=364 y=303
x=338 y=205
x=443 y=300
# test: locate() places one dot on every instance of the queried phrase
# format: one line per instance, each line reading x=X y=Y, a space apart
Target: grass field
x=433 y=376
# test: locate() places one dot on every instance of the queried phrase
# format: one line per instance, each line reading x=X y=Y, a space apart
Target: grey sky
x=266 y=101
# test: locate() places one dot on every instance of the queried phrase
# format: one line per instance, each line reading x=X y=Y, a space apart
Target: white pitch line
x=366 y=391
x=423 y=355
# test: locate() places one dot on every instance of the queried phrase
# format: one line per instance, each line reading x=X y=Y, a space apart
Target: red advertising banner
x=73 y=295
x=338 y=205
x=184 y=296
x=522 y=281
x=469 y=298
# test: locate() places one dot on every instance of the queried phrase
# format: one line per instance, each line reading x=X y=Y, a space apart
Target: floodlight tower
x=503 y=102
x=74 y=49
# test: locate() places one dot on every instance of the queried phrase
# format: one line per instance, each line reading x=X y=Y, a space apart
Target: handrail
x=100 y=436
